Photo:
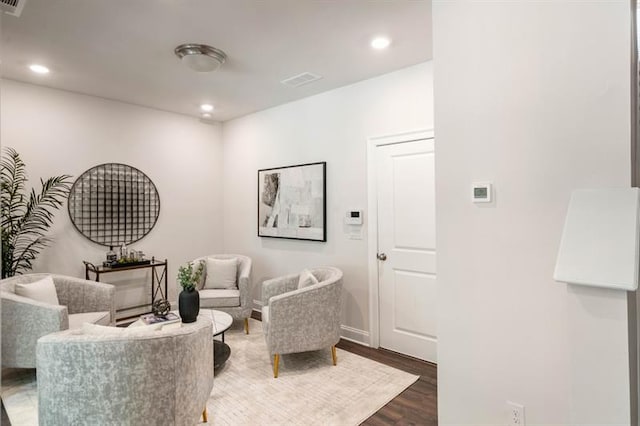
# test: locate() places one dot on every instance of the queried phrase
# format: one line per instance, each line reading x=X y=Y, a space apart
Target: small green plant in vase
x=189 y=277
x=189 y=298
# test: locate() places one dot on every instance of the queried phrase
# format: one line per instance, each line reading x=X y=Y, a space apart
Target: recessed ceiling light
x=39 y=69
x=206 y=115
x=380 y=42
x=206 y=107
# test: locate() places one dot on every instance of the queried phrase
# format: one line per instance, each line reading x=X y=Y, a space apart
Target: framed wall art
x=292 y=202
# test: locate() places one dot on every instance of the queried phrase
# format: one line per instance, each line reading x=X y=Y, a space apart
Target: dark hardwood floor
x=417 y=405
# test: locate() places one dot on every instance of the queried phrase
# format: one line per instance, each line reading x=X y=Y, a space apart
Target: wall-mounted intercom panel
x=353 y=217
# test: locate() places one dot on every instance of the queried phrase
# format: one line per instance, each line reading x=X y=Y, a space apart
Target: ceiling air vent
x=300 y=79
x=12 y=7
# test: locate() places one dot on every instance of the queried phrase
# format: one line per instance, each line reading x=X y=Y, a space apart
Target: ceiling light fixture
x=39 y=69
x=200 y=57
x=206 y=107
x=206 y=115
x=380 y=42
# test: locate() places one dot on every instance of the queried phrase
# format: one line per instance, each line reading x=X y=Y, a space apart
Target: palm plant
x=26 y=220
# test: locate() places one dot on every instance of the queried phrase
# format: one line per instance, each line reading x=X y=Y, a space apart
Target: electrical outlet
x=515 y=414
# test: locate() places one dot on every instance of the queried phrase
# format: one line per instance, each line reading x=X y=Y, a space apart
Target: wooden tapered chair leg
x=246 y=325
x=334 y=355
x=205 y=418
x=276 y=361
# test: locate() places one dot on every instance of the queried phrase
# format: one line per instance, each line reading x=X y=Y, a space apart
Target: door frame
x=372 y=227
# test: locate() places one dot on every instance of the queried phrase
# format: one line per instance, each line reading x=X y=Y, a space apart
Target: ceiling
x=123 y=50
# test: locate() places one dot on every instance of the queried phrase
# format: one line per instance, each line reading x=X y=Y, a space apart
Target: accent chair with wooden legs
x=25 y=320
x=125 y=376
x=298 y=318
x=232 y=296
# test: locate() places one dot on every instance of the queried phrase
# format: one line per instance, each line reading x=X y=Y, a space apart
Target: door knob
x=382 y=256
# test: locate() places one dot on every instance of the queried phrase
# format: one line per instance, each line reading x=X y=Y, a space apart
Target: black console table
x=158 y=275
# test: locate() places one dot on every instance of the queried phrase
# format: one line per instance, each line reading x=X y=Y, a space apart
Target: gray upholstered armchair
x=234 y=301
x=25 y=320
x=306 y=319
x=125 y=377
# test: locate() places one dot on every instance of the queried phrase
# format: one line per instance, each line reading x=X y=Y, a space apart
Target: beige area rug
x=309 y=390
x=20 y=396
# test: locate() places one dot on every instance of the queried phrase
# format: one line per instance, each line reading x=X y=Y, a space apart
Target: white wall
x=59 y=132
x=535 y=97
x=332 y=127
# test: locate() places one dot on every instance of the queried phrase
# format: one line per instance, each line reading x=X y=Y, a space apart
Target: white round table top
x=221 y=320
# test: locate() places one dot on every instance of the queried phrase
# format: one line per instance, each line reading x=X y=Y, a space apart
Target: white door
x=407 y=248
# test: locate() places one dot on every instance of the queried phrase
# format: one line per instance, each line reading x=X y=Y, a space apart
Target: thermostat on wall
x=353 y=217
x=481 y=192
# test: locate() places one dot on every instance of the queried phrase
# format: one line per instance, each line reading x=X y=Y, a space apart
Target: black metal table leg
x=221 y=353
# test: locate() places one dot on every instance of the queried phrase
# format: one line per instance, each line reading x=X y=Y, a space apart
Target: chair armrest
x=276 y=286
x=244 y=283
x=24 y=321
x=86 y=296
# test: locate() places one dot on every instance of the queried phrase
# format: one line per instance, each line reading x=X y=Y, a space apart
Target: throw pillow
x=42 y=290
x=221 y=273
x=306 y=279
x=194 y=265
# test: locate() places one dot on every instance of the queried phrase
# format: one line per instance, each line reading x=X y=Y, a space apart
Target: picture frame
x=292 y=202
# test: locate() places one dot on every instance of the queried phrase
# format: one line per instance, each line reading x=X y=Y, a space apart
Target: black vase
x=189 y=305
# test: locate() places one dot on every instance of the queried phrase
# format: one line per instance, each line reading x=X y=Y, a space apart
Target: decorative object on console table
x=26 y=218
x=189 y=298
x=132 y=258
x=111 y=255
x=123 y=263
x=292 y=202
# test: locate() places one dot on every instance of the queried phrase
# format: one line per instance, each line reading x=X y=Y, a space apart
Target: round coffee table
x=221 y=322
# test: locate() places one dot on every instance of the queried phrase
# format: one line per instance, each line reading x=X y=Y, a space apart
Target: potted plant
x=189 y=298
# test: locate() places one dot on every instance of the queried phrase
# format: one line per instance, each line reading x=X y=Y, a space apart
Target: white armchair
x=300 y=320
x=234 y=301
x=25 y=320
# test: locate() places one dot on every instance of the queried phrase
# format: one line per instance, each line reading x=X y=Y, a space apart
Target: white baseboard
x=355 y=335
